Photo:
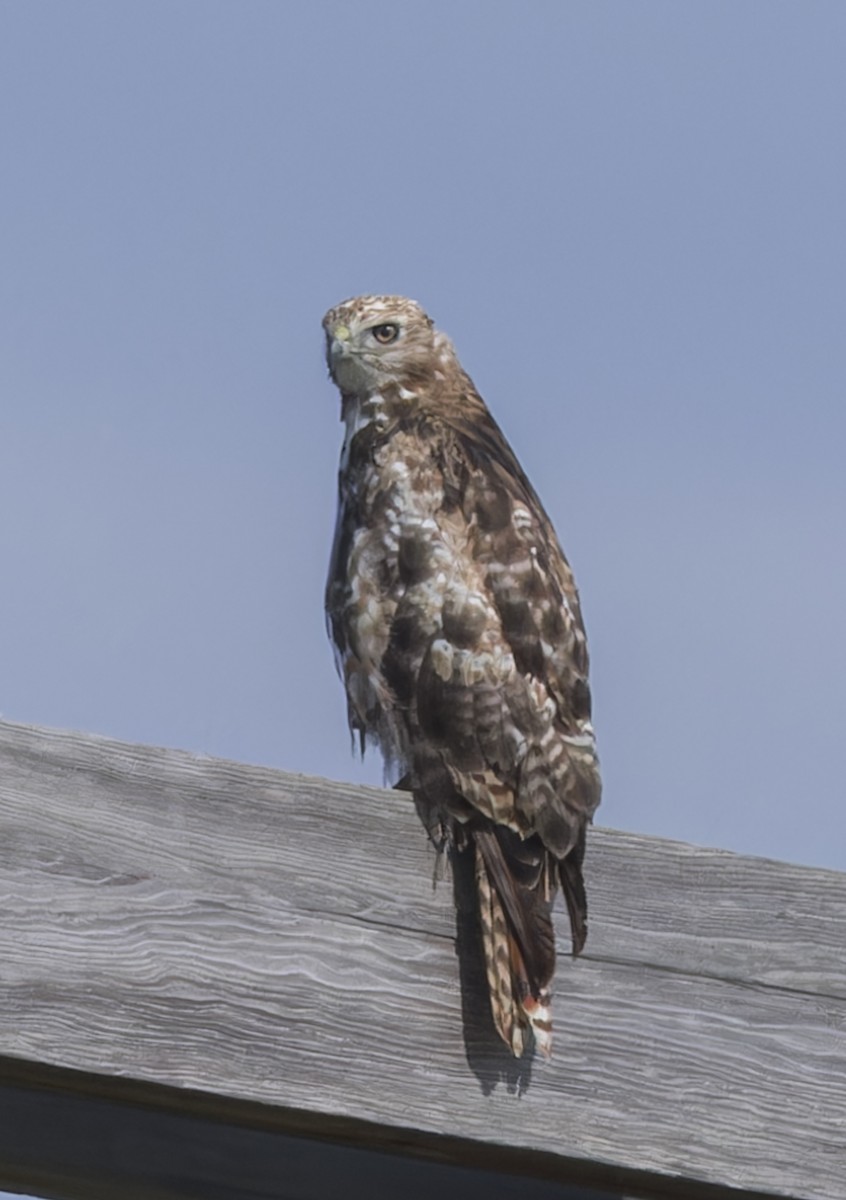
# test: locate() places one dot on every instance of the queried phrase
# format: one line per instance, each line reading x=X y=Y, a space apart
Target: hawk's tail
x=517 y=936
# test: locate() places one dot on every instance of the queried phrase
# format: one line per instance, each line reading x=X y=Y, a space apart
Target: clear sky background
x=630 y=219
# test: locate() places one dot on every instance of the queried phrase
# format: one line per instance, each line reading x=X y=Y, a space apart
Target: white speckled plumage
x=459 y=638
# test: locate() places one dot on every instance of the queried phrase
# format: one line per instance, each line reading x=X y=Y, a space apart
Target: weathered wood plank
x=204 y=925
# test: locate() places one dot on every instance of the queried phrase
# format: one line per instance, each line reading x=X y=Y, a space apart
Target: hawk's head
x=372 y=341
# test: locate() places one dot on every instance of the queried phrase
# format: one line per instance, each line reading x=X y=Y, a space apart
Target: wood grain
x=188 y=923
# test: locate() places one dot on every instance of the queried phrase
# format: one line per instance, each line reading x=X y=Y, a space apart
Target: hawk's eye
x=385 y=334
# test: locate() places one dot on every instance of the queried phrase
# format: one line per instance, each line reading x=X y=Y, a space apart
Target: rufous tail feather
x=517 y=1004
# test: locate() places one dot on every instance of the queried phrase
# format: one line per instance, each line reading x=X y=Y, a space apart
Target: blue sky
x=629 y=217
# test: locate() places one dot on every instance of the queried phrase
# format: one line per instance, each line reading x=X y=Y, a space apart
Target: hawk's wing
x=508 y=709
x=503 y=722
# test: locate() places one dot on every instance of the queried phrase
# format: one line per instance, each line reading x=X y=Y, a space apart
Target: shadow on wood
x=487 y=1056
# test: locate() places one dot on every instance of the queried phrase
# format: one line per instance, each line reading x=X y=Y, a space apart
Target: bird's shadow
x=487 y=1055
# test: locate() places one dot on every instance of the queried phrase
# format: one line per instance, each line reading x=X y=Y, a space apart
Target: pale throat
x=358 y=412
x=370 y=408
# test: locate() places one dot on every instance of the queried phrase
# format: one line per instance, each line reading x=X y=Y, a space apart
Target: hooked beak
x=339 y=343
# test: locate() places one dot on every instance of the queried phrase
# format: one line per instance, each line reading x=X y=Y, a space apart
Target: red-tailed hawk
x=459 y=638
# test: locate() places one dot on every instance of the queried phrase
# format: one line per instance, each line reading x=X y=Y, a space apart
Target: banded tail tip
x=533 y=1014
x=539 y=1012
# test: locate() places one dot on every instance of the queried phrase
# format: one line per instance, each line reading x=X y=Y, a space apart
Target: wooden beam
x=258 y=951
